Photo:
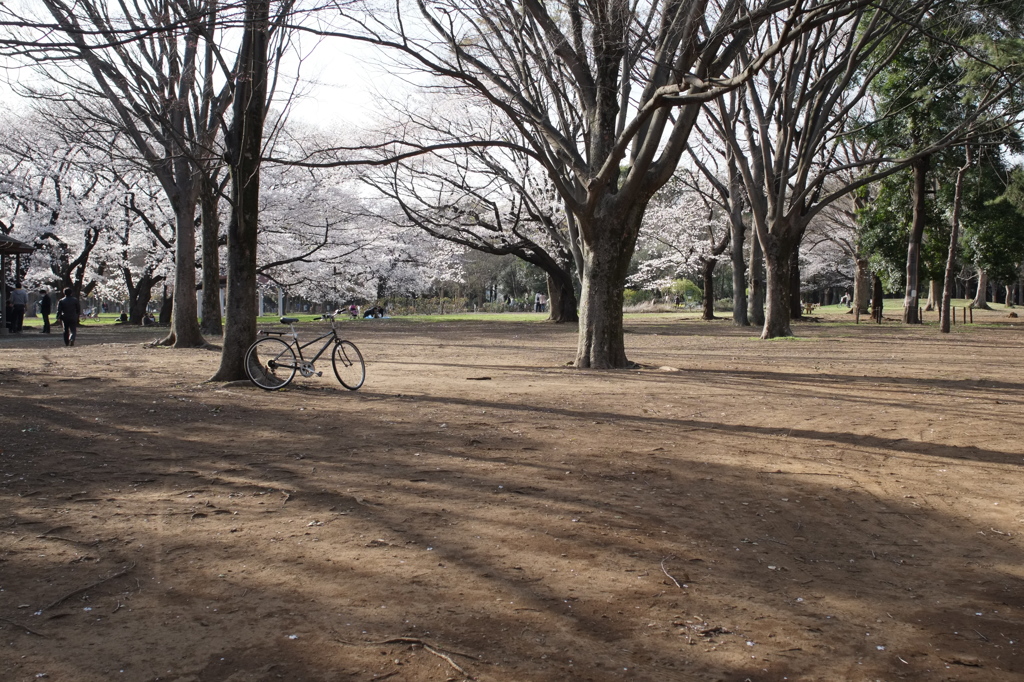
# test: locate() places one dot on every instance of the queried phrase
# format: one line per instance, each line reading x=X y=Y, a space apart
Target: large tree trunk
x=739 y=280
x=211 y=313
x=139 y=297
x=954 y=237
x=166 y=308
x=796 y=304
x=981 y=297
x=707 y=269
x=910 y=300
x=243 y=142
x=876 y=298
x=755 y=301
x=605 y=264
x=778 y=257
x=934 y=295
x=738 y=233
x=861 y=286
x=562 y=303
x=185 y=314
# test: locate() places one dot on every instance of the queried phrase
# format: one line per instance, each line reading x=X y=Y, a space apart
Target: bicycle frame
x=300 y=346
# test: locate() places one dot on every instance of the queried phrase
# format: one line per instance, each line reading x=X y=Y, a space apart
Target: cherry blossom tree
x=496 y=200
x=154 y=72
x=100 y=225
x=57 y=195
x=683 y=231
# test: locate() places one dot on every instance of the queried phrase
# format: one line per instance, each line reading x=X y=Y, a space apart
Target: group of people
x=353 y=312
x=69 y=310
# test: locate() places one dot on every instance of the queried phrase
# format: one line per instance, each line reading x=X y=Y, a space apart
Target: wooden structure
x=10 y=246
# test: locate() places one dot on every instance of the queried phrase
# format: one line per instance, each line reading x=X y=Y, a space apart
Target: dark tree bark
x=777 y=257
x=707 y=269
x=166 y=308
x=755 y=306
x=244 y=141
x=562 y=303
x=796 y=305
x=606 y=263
x=911 y=300
x=876 y=299
x=185 y=314
x=211 y=314
x=139 y=295
x=739 y=279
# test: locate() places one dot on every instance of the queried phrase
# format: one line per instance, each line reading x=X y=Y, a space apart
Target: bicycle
x=271 y=362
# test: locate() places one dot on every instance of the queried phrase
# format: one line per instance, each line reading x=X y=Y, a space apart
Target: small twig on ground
x=89 y=587
x=287 y=496
x=22 y=627
x=440 y=653
x=663 y=570
x=983 y=637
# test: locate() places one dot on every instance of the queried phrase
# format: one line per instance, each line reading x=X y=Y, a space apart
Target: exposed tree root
x=80 y=590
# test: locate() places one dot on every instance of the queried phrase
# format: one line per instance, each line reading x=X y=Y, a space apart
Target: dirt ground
x=847 y=505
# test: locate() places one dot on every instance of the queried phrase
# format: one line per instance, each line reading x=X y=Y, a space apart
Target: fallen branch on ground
x=665 y=571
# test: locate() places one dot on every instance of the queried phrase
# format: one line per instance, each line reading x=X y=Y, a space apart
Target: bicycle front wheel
x=348 y=365
x=270 y=364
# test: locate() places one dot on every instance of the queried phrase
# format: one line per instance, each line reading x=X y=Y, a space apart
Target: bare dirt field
x=847 y=505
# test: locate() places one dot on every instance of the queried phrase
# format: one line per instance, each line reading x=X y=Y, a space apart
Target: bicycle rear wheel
x=270 y=364
x=348 y=365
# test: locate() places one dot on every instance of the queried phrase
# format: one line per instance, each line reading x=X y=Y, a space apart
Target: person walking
x=44 y=309
x=68 y=312
x=19 y=301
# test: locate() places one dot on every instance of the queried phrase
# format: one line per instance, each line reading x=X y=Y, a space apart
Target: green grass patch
x=448 y=317
x=102 y=320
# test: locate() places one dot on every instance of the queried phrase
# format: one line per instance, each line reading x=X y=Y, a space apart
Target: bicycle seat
x=289 y=320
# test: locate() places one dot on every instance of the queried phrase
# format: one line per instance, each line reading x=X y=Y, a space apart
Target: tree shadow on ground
x=252 y=517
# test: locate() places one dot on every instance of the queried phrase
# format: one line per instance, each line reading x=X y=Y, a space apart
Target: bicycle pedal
x=319 y=374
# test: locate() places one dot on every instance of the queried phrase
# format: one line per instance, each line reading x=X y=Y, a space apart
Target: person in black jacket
x=44 y=309
x=68 y=312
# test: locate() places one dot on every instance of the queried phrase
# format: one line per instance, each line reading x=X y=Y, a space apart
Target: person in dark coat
x=44 y=309
x=68 y=312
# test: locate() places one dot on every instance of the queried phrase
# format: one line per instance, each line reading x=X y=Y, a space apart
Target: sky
x=338 y=81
